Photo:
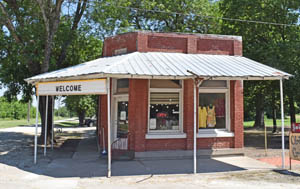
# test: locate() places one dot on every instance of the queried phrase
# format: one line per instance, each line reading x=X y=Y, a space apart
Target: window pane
x=164 y=111
x=122 y=85
x=214 y=84
x=161 y=83
x=212 y=113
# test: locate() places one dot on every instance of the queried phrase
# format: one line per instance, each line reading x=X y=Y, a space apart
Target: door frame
x=116 y=99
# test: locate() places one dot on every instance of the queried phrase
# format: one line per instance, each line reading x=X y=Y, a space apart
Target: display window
x=165 y=106
x=213 y=107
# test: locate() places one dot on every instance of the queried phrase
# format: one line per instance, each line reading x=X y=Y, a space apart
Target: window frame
x=219 y=90
x=166 y=90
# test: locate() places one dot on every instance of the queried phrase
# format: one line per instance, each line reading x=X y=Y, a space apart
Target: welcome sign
x=78 y=87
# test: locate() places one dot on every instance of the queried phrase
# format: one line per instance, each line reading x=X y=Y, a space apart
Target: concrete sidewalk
x=86 y=162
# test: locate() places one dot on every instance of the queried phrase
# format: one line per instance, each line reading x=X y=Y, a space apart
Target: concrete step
x=188 y=154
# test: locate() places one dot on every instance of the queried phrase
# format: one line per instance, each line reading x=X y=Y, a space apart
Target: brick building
x=164 y=92
x=173 y=131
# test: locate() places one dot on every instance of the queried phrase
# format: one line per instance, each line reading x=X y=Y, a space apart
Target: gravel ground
x=18 y=171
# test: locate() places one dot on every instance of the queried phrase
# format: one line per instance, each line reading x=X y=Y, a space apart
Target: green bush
x=14 y=109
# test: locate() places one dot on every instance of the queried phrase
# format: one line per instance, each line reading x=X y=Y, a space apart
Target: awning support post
x=195 y=129
x=52 y=131
x=46 y=121
x=36 y=128
x=197 y=83
x=282 y=123
x=108 y=130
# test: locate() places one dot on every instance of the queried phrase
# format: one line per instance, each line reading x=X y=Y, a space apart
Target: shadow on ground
x=256 y=138
x=79 y=157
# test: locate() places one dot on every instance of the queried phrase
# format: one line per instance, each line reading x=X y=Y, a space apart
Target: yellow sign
x=295 y=146
x=78 y=87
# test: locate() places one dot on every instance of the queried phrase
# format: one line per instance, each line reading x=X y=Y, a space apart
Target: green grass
x=6 y=123
x=269 y=122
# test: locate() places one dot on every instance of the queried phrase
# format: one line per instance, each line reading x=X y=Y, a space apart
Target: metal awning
x=161 y=65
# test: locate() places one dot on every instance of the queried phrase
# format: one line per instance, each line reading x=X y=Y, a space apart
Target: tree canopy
x=38 y=36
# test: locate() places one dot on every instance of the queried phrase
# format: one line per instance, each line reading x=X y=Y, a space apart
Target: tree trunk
x=259 y=106
x=292 y=108
x=42 y=110
x=81 y=117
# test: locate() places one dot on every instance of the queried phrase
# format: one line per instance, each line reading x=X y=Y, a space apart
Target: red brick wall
x=103 y=120
x=237 y=112
x=138 y=113
x=173 y=42
x=138 y=120
x=188 y=112
x=220 y=142
x=165 y=144
x=126 y=40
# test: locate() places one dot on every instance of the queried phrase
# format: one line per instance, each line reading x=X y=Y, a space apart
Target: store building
x=158 y=113
x=169 y=91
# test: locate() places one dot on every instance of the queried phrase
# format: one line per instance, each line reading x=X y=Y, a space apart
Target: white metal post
x=108 y=129
x=195 y=125
x=282 y=123
x=52 y=131
x=36 y=128
x=46 y=116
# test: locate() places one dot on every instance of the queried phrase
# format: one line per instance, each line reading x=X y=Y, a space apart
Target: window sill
x=210 y=133
x=165 y=135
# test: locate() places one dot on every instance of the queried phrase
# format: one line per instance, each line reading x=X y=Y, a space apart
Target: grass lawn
x=269 y=122
x=6 y=123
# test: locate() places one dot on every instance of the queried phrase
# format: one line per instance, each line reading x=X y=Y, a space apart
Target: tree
x=82 y=105
x=113 y=17
x=30 y=45
x=274 y=45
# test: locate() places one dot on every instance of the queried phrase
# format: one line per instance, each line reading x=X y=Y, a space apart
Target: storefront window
x=164 y=111
x=164 y=105
x=212 y=112
x=213 y=105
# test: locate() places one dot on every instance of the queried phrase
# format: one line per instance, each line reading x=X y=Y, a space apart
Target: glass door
x=120 y=117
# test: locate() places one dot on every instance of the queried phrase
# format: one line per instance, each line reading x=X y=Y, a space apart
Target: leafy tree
x=274 y=45
x=37 y=36
x=14 y=109
x=84 y=106
x=113 y=17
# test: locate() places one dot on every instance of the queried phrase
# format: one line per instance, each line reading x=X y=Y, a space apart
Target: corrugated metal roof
x=162 y=65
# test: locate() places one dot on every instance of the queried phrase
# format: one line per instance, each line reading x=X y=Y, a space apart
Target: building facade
x=158 y=114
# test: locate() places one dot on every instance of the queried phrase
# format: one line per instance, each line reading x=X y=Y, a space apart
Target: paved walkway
x=85 y=162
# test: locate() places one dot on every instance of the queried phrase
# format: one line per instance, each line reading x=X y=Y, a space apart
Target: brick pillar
x=138 y=113
x=237 y=112
x=238 y=48
x=191 y=45
x=188 y=112
x=102 y=119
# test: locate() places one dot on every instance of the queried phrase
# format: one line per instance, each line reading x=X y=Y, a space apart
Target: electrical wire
x=197 y=15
